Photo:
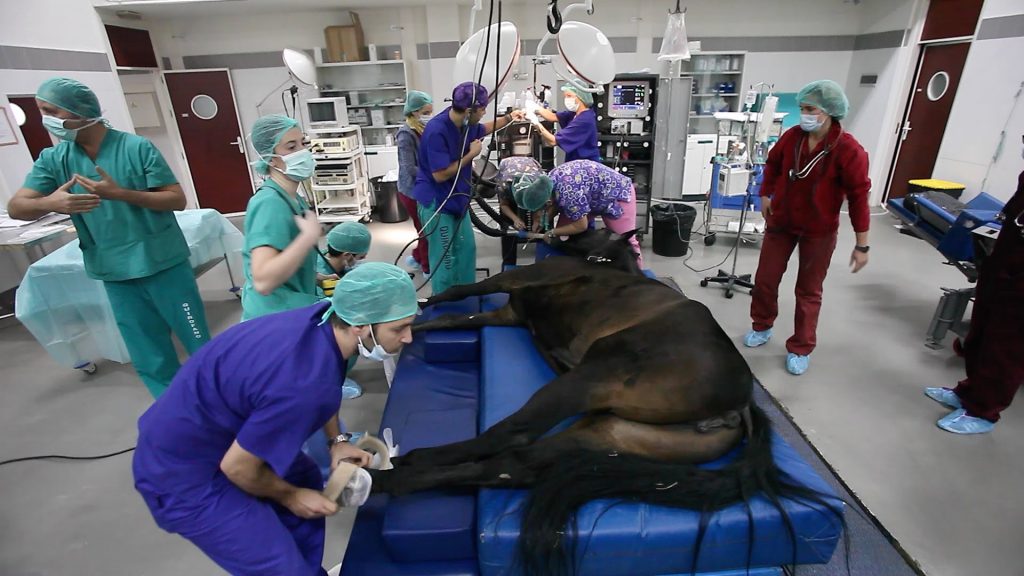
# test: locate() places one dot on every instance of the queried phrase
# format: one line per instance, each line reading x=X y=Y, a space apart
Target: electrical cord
x=63 y=457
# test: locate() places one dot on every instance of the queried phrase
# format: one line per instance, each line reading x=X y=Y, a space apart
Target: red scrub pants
x=994 y=345
x=814 y=258
x=419 y=254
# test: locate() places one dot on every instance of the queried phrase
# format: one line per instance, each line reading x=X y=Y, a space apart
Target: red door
x=36 y=137
x=931 y=100
x=204 y=108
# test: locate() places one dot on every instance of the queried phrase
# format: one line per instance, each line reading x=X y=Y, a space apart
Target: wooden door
x=36 y=137
x=931 y=100
x=204 y=109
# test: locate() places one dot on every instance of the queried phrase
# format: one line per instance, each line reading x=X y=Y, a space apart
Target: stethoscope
x=801 y=173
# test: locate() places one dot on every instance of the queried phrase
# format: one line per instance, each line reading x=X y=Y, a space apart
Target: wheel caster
x=709 y=240
x=728 y=294
x=88 y=368
x=703 y=283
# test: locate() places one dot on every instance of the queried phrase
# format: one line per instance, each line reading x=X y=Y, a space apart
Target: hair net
x=415 y=100
x=586 y=97
x=265 y=136
x=71 y=95
x=349 y=237
x=531 y=191
x=827 y=95
x=373 y=293
x=469 y=95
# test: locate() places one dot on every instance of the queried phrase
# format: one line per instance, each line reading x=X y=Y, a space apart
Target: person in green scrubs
x=347 y=245
x=121 y=195
x=281 y=232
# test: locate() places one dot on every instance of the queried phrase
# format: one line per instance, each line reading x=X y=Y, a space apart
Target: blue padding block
x=430 y=405
x=442 y=346
x=638 y=538
x=367 y=555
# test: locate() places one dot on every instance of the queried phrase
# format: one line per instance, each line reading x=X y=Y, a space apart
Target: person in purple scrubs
x=219 y=457
x=577 y=126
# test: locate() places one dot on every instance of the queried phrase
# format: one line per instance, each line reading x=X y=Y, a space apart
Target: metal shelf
x=401 y=104
x=335 y=187
x=382 y=127
x=348 y=64
x=367 y=89
x=353 y=204
x=338 y=157
x=716 y=94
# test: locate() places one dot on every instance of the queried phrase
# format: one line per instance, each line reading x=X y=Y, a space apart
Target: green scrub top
x=119 y=241
x=270 y=221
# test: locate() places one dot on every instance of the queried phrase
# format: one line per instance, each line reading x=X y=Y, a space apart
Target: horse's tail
x=550 y=512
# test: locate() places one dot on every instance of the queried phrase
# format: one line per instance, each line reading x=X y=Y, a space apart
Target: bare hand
x=518 y=223
x=308 y=504
x=475 y=147
x=321 y=277
x=308 y=225
x=345 y=452
x=105 y=187
x=517 y=115
x=766 y=206
x=63 y=201
x=536 y=223
x=858 y=260
x=550 y=238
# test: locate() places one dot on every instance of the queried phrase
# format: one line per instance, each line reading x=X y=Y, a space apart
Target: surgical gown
x=269 y=383
x=140 y=254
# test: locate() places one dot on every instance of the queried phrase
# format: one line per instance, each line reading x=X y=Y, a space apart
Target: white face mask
x=378 y=354
x=571 y=104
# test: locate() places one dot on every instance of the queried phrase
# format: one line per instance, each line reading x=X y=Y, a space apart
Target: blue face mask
x=298 y=166
x=378 y=354
x=810 y=122
x=56 y=127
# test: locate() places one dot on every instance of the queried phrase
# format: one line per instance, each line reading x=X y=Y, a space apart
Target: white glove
x=531 y=106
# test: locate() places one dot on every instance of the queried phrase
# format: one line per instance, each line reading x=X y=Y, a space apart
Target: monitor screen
x=629 y=98
x=322 y=112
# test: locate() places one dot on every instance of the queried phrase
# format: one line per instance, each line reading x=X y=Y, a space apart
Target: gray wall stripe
x=235 y=61
x=437 y=50
x=1002 y=27
x=890 y=39
x=26 y=58
x=167 y=63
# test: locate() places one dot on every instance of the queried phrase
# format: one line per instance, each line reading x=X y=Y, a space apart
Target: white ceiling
x=156 y=9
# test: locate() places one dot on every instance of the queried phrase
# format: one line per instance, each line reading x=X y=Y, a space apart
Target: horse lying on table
x=660 y=385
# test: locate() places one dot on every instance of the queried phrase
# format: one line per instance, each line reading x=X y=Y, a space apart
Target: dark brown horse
x=660 y=387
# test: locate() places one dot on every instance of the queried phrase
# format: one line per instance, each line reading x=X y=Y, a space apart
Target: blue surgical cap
x=826 y=95
x=70 y=95
x=415 y=100
x=266 y=135
x=531 y=191
x=586 y=97
x=374 y=293
x=350 y=237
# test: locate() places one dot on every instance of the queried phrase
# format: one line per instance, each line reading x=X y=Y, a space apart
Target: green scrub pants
x=459 y=264
x=148 y=310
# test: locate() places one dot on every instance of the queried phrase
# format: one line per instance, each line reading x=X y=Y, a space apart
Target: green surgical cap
x=374 y=293
x=586 y=97
x=71 y=95
x=266 y=134
x=415 y=100
x=349 y=237
x=827 y=95
x=531 y=191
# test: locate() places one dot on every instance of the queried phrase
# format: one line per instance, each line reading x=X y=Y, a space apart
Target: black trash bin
x=389 y=208
x=672 y=226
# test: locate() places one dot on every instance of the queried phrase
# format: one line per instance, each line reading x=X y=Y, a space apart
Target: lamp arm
x=276 y=90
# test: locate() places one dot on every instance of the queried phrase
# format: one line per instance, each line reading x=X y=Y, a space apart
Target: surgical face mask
x=425 y=118
x=378 y=354
x=572 y=104
x=298 y=166
x=56 y=127
x=810 y=122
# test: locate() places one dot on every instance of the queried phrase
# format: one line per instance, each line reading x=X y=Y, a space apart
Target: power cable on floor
x=63 y=457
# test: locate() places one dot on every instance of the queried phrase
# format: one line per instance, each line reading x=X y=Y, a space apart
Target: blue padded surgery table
x=450 y=385
x=69 y=313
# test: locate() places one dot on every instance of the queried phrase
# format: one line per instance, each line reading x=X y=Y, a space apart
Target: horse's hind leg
x=503 y=316
x=569 y=394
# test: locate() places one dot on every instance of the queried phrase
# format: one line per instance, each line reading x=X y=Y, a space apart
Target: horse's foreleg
x=563 y=397
x=510 y=281
x=503 y=316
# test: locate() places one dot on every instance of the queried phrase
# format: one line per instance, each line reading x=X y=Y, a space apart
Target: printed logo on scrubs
x=191 y=321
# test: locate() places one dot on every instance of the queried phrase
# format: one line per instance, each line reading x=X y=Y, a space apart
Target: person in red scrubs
x=810 y=171
x=994 y=343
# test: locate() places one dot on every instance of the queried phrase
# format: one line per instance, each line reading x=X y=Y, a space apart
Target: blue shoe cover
x=350 y=389
x=797 y=364
x=958 y=422
x=944 y=396
x=753 y=339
